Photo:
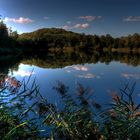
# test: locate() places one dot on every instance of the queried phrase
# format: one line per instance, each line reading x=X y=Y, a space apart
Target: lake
x=103 y=73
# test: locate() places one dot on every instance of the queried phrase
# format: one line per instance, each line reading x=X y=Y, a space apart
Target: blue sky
x=115 y=17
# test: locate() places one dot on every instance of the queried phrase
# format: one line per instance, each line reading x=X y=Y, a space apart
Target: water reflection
x=60 y=60
x=86 y=76
x=100 y=71
x=24 y=73
x=131 y=75
x=78 y=68
x=103 y=73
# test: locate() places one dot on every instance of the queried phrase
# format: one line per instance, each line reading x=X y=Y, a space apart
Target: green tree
x=14 y=35
x=3 y=34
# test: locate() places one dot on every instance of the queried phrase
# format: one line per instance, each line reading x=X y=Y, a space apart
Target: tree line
x=8 y=39
x=55 y=38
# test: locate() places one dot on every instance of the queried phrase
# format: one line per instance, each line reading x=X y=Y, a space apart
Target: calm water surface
x=103 y=73
x=100 y=77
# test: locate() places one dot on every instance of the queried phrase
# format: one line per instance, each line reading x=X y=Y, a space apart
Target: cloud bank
x=20 y=20
x=76 y=26
x=89 y=18
x=132 y=18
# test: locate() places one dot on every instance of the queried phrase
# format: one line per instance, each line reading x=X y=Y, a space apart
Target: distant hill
x=47 y=38
x=45 y=32
x=56 y=39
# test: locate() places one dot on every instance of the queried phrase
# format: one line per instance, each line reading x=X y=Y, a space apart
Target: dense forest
x=59 y=39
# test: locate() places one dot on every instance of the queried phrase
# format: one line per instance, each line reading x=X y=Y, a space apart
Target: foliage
x=15 y=108
x=3 y=34
x=47 y=39
x=23 y=111
x=62 y=59
x=12 y=128
x=123 y=118
x=7 y=39
x=58 y=38
x=76 y=120
x=81 y=118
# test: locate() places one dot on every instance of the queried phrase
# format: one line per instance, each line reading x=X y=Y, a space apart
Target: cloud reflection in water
x=24 y=73
x=130 y=76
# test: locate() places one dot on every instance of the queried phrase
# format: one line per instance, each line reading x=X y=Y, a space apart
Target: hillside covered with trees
x=60 y=39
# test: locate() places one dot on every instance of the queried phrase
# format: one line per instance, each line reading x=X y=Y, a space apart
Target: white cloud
x=20 y=20
x=132 y=18
x=66 y=27
x=76 y=26
x=90 y=18
x=81 y=26
x=69 y=25
x=46 y=18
